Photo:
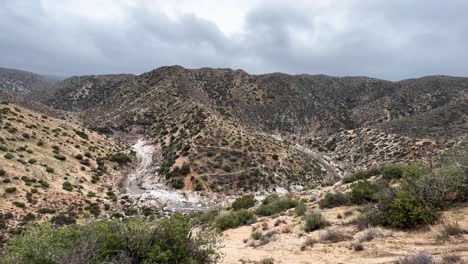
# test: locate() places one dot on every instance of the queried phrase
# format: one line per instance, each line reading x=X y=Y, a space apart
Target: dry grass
x=333 y=236
x=421 y=257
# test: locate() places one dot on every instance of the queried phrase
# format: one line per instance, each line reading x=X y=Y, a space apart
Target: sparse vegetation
x=334 y=200
x=314 y=221
x=274 y=204
x=244 y=202
x=234 y=219
x=120 y=157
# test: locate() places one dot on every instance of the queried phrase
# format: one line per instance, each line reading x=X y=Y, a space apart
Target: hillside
x=82 y=92
x=300 y=104
x=53 y=168
x=26 y=84
x=225 y=124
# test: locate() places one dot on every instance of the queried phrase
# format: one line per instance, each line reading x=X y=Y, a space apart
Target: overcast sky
x=390 y=39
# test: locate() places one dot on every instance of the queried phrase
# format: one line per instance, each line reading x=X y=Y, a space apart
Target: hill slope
x=224 y=124
x=51 y=167
x=26 y=84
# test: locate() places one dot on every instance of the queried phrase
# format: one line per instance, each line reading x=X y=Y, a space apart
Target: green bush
x=185 y=169
x=67 y=186
x=10 y=190
x=274 y=204
x=362 y=175
x=19 y=204
x=363 y=191
x=63 y=219
x=301 y=208
x=393 y=171
x=407 y=211
x=234 y=219
x=414 y=171
x=120 y=157
x=244 y=202
x=167 y=240
x=82 y=134
x=46 y=210
x=332 y=200
x=60 y=157
x=314 y=221
x=439 y=189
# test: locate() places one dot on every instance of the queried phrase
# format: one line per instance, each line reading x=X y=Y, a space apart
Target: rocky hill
x=26 y=84
x=82 y=92
x=299 y=104
x=53 y=168
x=222 y=126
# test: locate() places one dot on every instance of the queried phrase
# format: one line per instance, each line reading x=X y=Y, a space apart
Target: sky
x=392 y=40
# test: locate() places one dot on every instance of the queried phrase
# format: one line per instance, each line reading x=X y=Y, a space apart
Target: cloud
x=386 y=39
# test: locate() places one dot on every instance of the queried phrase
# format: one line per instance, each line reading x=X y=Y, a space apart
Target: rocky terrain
x=54 y=168
x=27 y=84
x=340 y=152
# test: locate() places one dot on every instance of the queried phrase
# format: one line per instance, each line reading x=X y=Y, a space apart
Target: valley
x=271 y=168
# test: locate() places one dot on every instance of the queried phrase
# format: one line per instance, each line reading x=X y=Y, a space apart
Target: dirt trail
x=146 y=189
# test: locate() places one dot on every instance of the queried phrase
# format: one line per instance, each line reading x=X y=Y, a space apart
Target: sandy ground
x=286 y=248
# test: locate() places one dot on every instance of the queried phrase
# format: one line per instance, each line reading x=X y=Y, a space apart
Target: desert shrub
x=60 y=157
x=314 y=221
x=234 y=219
x=63 y=219
x=244 y=202
x=46 y=210
x=120 y=158
x=2 y=172
x=43 y=184
x=333 y=236
x=448 y=230
x=185 y=169
x=82 y=134
x=85 y=162
x=6 y=180
x=256 y=235
x=32 y=161
x=274 y=204
x=393 y=171
x=177 y=183
x=334 y=200
x=19 y=204
x=10 y=190
x=361 y=175
x=78 y=156
x=50 y=169
x=439 y=189
x=451 y=259
x=309 y=242
x=301 y=208
x=8 y=156
x=415 y=170
x=40 y=143
x=166 y=240
x=67 y=186
x=418 y=258
x=267 y=261
x=371 y=233
x=363 y=191
x=408 y=210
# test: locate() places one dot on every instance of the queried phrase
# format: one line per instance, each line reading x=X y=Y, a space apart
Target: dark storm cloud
x=386 y=39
